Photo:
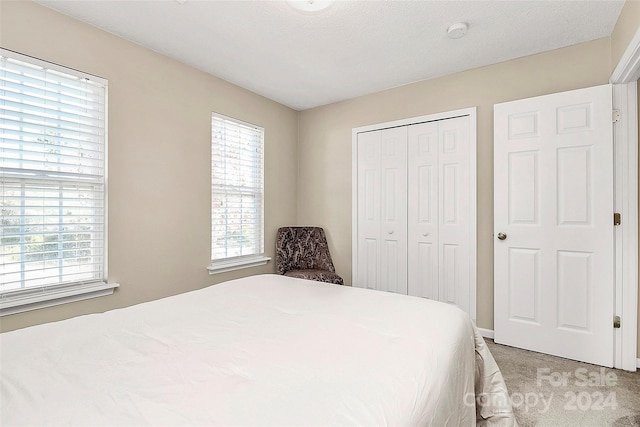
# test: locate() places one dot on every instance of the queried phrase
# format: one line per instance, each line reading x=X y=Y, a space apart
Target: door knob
x=502 y=236
x=390 y=231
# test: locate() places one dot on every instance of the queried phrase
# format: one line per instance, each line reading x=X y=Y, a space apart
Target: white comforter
x=263 y=350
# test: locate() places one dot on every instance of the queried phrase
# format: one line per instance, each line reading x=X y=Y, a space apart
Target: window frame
x=36 y=297
x=231 y=263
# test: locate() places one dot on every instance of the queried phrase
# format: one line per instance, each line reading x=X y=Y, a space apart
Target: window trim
x=224 y=265
x=237 y=263
x=27 y=299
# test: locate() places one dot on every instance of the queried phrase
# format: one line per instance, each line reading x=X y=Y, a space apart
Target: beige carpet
x=551 y=391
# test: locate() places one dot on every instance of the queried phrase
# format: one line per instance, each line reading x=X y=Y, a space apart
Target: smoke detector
x=457 y=30
x=310 y=6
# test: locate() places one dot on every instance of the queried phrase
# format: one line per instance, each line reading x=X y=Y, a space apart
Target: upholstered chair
x=303 y=252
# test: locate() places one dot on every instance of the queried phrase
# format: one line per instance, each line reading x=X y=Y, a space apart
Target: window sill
x=33 y=299
x=236 y=264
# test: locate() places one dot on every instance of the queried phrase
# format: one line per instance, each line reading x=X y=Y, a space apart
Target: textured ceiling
x=352 y=48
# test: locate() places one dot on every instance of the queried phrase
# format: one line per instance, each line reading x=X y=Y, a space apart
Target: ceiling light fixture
x=310 y=6
x=457 y=30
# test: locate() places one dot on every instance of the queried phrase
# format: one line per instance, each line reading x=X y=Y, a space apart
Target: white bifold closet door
x=438 y=211
x=414 y=220
x=382 y=210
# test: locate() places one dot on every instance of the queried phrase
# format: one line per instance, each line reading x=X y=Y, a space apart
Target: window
x=237 y=194
x=52 y=184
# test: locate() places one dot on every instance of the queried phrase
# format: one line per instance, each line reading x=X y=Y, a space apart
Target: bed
x=262 y=350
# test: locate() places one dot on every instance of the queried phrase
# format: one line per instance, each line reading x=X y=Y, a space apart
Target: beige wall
x=324 y=151
x=626 y=27
x=159 y=157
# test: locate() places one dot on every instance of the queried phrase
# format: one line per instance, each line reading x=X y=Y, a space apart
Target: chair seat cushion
x=317 y=275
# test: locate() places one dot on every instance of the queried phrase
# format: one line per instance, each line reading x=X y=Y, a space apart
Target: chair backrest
x=301 y=248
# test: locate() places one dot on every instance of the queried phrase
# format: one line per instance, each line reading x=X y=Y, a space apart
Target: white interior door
x=553 y=212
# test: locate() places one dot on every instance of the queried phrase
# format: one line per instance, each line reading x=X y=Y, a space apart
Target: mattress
x=262 y=350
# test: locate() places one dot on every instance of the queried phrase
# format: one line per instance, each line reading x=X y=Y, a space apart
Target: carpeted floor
x=552 y=391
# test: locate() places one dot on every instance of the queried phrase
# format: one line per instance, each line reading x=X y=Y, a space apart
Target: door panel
x=393 y=263
x=450 y=266
x=523 y=188
x=439 y=206
x=524 y=285
x=382 y=199
x=553 y=198
x=368 y=210
x=574 y=290
x=574 y=192
x=423 y=210
x=454 y=207
x=369 y=267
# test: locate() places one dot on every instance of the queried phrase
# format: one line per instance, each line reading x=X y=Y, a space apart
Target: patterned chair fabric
x=303 y=252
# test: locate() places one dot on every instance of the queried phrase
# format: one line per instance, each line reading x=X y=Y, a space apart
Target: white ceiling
x=352 y=48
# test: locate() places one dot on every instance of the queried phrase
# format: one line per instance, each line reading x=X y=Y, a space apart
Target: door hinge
x=617 y=219
x=615 y=116
x=616 y=322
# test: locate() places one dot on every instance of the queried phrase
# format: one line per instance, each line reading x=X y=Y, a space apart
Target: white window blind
x=52 y=176
x=237 y=192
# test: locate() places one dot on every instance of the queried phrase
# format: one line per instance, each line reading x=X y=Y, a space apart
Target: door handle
x=390 y=231
x=501 y=236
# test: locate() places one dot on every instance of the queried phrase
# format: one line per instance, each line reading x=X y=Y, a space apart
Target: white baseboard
x=487 y=333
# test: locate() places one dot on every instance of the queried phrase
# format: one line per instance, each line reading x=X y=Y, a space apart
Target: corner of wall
x=626 y=27
x=297 y=167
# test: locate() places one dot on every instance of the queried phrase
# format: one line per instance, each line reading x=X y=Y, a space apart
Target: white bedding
x=263 y=350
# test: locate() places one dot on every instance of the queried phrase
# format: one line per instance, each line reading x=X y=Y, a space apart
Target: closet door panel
x=369 y=222
x=454 y=206
x=422 y=212
x=393 y=161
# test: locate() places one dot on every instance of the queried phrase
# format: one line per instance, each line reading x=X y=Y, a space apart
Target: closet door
x=393 y=259
x=422 y=212
x=368 y=205
x=439 y=209
x=454 y=201
x=414 y=196
x=382 y=210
